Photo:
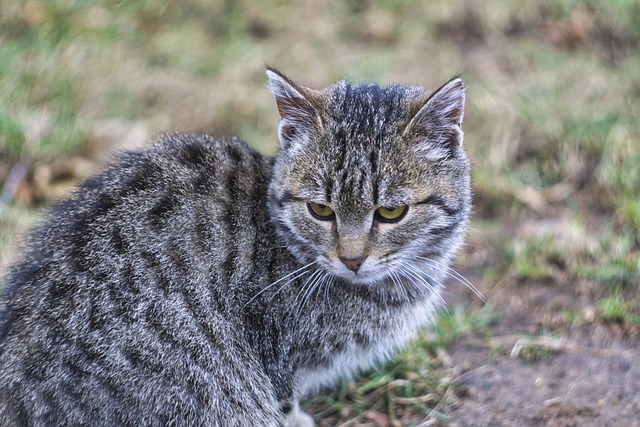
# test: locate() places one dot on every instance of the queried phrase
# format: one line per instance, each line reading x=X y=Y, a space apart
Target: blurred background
x=552 y=128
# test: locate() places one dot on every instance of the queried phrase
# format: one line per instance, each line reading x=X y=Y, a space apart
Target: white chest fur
x=356 y=358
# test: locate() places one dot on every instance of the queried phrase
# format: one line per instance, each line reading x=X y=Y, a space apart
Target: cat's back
x=120 y=298
x=183 y=190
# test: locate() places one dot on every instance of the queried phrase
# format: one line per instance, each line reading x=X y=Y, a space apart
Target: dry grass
x=552 y=126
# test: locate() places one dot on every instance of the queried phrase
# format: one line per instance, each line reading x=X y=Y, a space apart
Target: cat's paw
x=297 y=418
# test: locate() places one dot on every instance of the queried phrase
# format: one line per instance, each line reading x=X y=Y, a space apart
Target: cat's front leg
x=297 y=418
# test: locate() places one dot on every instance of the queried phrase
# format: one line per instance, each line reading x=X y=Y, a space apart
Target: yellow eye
x=391 y=214
x=320 y=211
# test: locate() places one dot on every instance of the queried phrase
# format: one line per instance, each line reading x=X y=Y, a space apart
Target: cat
x=198 y=282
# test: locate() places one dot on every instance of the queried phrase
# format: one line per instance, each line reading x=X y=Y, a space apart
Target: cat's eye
x=321 y=212
x=391 y=214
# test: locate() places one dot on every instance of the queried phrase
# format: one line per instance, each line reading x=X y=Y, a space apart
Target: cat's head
x=370 y=181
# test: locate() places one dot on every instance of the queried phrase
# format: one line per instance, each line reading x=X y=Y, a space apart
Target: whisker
x=321 y=281
x=286 y=283
x=428 y=278
x=280 y=280
x=411 y=278
x=455 y=275
x=327 y=284
x=307 y=286
x=317 y=284
x=425 y=281
x=401 y=285
x=395 y=279
x=322 y=290
x=476 y=230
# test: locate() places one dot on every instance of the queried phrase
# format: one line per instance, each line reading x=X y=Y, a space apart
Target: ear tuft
x=298 y=115
x=440 y=118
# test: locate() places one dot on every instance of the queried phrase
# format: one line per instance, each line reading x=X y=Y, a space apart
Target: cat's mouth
x=365 y=274
x=366 y=279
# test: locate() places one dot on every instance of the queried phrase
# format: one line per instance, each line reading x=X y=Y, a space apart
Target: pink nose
x=353 y=264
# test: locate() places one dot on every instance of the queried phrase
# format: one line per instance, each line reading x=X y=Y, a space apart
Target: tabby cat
x=200 y=283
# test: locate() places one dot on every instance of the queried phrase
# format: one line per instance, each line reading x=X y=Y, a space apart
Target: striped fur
x=189 y=284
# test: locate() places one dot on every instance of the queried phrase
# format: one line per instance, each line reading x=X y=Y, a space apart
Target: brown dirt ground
x=566 y=375
x=583 y=376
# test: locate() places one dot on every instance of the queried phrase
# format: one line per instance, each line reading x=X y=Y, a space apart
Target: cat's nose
x=353 y=264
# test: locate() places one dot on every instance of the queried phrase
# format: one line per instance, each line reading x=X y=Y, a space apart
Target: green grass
x=453 y=324
x=552 y=124
x=11 y=134
x=414 y=385
x=616 y=308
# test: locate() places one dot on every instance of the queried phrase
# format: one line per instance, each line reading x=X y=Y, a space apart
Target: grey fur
x=190 y=285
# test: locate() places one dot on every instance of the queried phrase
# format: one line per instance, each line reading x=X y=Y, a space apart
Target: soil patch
x=526 y=376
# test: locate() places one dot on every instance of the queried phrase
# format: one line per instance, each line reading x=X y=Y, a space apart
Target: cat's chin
x=369 y=279
x=367 y=275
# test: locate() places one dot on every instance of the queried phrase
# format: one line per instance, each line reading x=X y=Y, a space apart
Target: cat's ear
x=298 y=115
x=440 y=117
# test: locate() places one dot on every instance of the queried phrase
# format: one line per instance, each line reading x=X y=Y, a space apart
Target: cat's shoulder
x=174 y=168
x=198 y=150
x=179 y=158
